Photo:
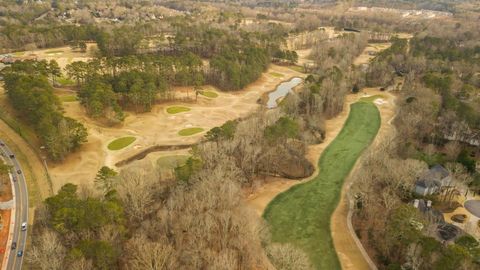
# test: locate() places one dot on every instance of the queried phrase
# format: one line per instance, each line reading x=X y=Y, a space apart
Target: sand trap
x=379 y=101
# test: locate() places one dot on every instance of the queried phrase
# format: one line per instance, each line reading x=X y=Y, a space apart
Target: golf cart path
x=348 y=251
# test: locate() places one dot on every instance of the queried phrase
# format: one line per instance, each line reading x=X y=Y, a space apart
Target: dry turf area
x=63 y=55
x=159 y=127
x=370 y=52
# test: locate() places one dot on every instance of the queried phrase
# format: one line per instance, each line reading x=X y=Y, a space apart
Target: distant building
x=434 y=179
x=7 y=59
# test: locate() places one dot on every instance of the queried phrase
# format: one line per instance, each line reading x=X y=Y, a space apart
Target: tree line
x=32 y=97
x=124 y=78
x=109 y=85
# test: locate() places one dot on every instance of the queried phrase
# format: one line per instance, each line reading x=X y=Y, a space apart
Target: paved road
x=21 y=208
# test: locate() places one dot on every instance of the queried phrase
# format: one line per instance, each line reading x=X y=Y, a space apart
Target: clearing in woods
x=301 y=215
x=68 y=98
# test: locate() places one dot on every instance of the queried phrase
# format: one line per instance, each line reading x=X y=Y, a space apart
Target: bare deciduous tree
x=48 y=252
x=146 y=254
x=287 y=257
x=136 y=188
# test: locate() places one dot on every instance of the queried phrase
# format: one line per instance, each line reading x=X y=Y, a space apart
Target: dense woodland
x=108 y=85
x=31 y=95
x=126 y=77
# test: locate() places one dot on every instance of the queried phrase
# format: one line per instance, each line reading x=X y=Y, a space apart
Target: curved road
x=21 y=208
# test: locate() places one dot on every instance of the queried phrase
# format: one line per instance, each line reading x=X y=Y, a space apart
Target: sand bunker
x=380 y=101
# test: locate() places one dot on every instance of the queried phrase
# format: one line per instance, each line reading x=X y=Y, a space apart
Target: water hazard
x=282 y=90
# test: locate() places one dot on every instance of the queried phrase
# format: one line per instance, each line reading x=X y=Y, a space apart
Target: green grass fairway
x=276 y=74
x=177 y=109
x=171 y=162
x=68 y=98
x=190 y=131
x=121 y=143
x=301 y=215
x=209 y=94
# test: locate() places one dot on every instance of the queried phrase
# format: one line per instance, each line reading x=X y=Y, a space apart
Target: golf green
x=190 y=131
x=209 y=94
x=177 y=109
x=121 y=143
x=301 y=215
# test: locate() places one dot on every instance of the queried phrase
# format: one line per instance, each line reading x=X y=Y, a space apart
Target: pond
x=282 y=90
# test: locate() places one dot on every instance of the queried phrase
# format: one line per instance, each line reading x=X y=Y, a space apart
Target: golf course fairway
x=301 y=215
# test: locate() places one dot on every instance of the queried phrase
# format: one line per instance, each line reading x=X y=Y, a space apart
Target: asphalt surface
x=21 y=208
x=473 y=206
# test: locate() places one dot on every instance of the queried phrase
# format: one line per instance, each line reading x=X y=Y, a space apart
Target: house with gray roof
x=433 y=180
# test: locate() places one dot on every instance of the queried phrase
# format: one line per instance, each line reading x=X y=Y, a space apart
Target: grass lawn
x=190 y=131
x=54 y=51
x=121 y=143
x=209 y=94
x=276 y=74
x=301 y=215
x=177 y=109
x=297 y=68
x=63 y=81
x=68 y=98
x=171 y=162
